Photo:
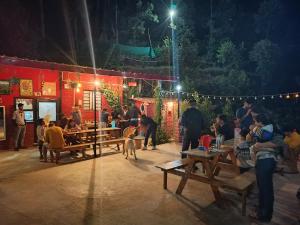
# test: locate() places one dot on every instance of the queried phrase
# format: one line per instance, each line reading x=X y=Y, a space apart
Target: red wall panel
x=66 y=96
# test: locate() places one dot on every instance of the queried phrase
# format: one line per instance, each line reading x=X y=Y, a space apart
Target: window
x=88 y=100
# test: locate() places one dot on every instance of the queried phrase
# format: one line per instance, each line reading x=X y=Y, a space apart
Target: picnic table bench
x=83 y=146
x=212 y=163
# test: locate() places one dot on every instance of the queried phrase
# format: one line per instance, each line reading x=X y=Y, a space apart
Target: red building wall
x=37 y=76
x=63 y=96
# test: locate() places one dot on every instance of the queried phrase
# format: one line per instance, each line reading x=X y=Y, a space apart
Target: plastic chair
x=205 y=140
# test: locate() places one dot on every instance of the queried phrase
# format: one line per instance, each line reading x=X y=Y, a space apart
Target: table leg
x=234 y=162
x=185 y=177
x=209 y=172
x=165 y=179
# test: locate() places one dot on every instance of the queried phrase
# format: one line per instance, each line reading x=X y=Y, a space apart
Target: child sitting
x=40 y=133
x=242 y=151
x=262 y=132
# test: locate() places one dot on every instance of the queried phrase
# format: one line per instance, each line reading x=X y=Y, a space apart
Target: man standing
x=134 y=114
x=151 y=127
x=104 y=118
x=76 y=115
x=19 y=121
x=243 y=114
x=192 y=123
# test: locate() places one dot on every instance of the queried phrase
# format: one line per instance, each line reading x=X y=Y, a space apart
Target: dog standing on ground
x=129 y=134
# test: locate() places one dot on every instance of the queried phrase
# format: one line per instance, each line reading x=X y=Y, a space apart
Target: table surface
x=199 y=153
x=92 y=130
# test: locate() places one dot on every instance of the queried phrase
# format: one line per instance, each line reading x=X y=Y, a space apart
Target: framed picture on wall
x=26 y=88
x=4 y=87
x=49 y=89
x=27 y=103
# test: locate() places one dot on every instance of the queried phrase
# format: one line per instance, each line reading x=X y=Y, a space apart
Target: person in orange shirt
x=291 y=153
x=292 y=137
x=55 y=140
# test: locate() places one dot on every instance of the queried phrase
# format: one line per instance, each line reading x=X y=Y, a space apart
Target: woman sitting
x=72 y=127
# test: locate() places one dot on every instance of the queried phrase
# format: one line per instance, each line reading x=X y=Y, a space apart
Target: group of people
x=261 y=142
x=129 y=116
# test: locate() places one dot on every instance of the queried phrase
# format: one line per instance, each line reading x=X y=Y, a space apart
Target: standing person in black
x=134 y=114
x=243 y=114
x=192 y=122
x=151 y=127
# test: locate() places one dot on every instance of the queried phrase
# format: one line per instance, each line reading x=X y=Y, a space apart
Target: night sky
x=20 y=24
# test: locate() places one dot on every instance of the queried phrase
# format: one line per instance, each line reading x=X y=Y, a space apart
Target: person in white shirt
x=40 y=133
x=19 y=121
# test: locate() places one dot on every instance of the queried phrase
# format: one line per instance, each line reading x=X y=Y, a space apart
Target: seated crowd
x=260 y=144
x=68 y=126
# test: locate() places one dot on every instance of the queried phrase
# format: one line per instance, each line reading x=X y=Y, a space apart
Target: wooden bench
x=240 y=184
x=170 y=167
x=71 y=148
x=91 y=137
x=110 y=142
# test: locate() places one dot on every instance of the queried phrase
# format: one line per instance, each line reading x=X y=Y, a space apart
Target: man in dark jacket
x=151 y=127
x=192 y=122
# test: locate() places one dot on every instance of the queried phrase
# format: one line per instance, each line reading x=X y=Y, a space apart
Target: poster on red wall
x=49 y=89
x=26 y=87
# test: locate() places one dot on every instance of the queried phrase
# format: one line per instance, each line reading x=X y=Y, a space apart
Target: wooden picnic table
x=106 y=129
x=213 y=162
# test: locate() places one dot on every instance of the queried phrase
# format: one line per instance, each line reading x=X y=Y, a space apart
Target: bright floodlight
x=178 y=87
x=97 y=83
x=172 y=13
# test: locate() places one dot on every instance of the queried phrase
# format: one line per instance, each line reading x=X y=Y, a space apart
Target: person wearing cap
x=192 y=122
x=19 y=121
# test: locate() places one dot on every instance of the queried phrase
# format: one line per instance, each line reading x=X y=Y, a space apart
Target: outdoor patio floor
x=115 y=191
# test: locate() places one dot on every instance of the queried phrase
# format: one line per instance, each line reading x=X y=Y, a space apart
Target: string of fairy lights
x=291 y=95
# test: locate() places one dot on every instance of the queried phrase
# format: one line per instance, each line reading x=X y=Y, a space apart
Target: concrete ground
x=115 y=191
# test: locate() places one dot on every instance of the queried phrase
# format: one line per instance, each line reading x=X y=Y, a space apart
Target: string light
x=233 y=98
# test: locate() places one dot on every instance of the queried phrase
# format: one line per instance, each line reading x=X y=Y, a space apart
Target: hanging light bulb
x=263 y=98
x=77 y=90
x=214 y=97
x=297 y=95
x=280 y=96
x=288 y=96
x=208 y=97
x=272 y=97
x=79 y=85
x=220 y=98
x=232 y=99
x=255 y=98
x=241 y=98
